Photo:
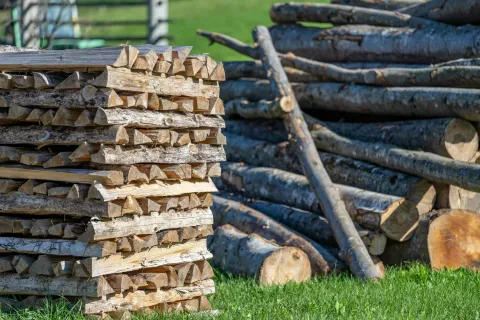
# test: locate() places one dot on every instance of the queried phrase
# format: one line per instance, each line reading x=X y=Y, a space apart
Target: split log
x=62 y=135
x=444 y=239
x=156 y=189
x=88 y=98
x=369 y=43
x=47 y=80
x=342 y=170
x=57 y=247
x=153 y=119
x=22 y=81
x=55 y=286
x=252 y=255
x=448 y=11
x=144 y=225
x=76 y=80
x=344 y=231
x=15 y=225
x=391 y=101
x=108 y=178
x=191 y=153
x=126 y=80
x=310 y=225
x=17 y=202
x=430 y=166
x=382 y=4
x=394 y=216
x=342 y=14
x=251 y=221
x=155 y=257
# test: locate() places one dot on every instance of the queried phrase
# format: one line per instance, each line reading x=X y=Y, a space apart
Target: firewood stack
x=397 y=94
x=107 y=158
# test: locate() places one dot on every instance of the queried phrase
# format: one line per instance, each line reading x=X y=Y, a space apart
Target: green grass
x=233 y=17
x=413 y=292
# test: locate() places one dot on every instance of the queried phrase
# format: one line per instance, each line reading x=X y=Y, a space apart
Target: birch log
x=419 y=102
x=379 y=4
x=381 y=44
x=252 y=255
x=250 y=221
x=292 y=12
x=342 y=170
x=394 y=216
x=448 y=11
x=444 y=239
x=347 y=237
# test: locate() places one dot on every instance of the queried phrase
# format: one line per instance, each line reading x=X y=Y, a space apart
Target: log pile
x=107 y=159
x=390 y=99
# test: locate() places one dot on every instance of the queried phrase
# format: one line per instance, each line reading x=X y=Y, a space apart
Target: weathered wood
x=60 y=160
x=35 y=158
x=390 y=101
x=342 y=170
x=108 y=178
x=18 y=113
x=382 y=4
x=11 y=154
x=22 y=263
x=17 y=202
x=61 y=135
x=6 y=264
x=119 y=282
x=22 y=81
x=55 y=286
x=341 y=15
x=191 y=153
x=72 y=99
x=155 y=257
x=251 y=221
x=253 y=69
x=394 y=216
x=42 y=188
x=28 y=186
x=156 y=189
x=76 y=80
x=448 y=11
x=15 y=225
x=125 y=80
x=344 y=231
x=153 y=119
x=251 y=110
x=57 y=247
x=252 y=255
x=47 y=80
x=84 y=152
x=8 y=185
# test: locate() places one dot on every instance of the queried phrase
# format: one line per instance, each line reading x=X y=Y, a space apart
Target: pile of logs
x=106 y=159
x=397 y=98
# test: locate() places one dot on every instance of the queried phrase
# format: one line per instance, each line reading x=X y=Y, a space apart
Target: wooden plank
x=108 y=178
x=126 y=80
x=57 y=247
x=17 y=202
x=156 y=189
x=142 y=225
x=168 y=155
x=11 y=283
x=155 y=257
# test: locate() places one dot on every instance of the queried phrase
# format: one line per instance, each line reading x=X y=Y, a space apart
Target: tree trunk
x=310 y=225
x=448 y=11
x=382 y=4
x=253 y=69
x=344 y=231
x=342 y=14
x=381 y=44
x=394 y=216
x=251 y=255
x=444 y=239
x=251 y=221
x=430 y=166
x=341 y=170
x=392 y=101
x=270 y=131
x=251 y=110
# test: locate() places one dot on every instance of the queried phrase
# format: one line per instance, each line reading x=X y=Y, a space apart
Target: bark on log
x=342 y=14
x=390 y=101
x=347 y=237
x=444 y=239
x=381 y=44
x=270 y=131
x=250 y=221
x=342 y=170
x=253 y=69
x=394 y=216
x=251 y=110
x=448 y=11
x=382 y=4
x=252 y=255
x=430 y=166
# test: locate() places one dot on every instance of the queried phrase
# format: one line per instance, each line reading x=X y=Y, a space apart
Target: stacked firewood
x=105 y=191
x=397 y=135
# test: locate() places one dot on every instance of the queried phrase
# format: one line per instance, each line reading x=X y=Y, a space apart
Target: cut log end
x=461 y=140
x=400 y=221
x=454 y=240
